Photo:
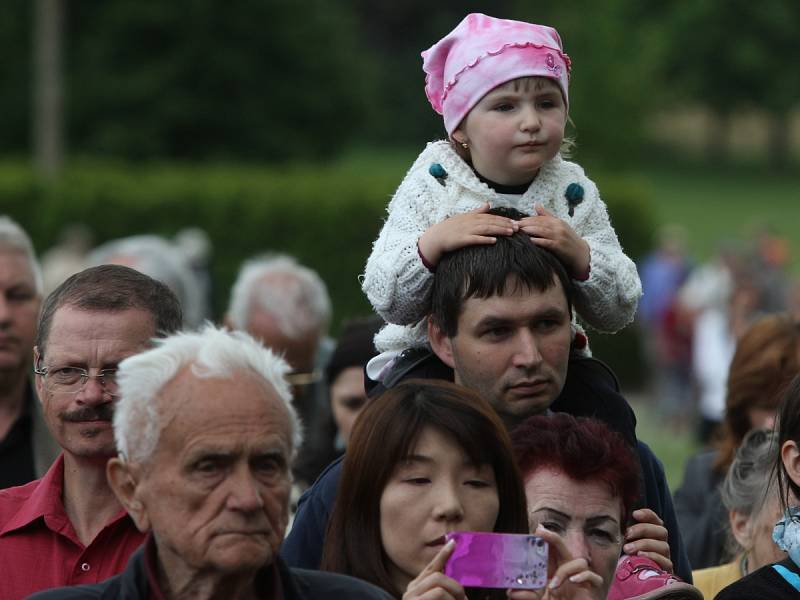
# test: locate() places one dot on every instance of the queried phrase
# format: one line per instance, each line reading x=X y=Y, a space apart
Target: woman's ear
x=740 y=528
x=790 y=456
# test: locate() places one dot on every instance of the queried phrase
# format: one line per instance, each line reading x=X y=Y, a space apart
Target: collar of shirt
x=45 y=502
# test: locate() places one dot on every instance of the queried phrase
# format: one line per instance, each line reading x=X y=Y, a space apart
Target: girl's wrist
x=426 y=263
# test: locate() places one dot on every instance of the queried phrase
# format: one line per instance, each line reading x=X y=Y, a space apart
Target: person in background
x=767 y=356
x=750 y=495
x=286 y=306
x=345 y=374
x=780 y=580
x=208 y=480
x=164 y=261
x=26 y=447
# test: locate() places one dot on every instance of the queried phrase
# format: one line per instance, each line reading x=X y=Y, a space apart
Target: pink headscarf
x=483 y=52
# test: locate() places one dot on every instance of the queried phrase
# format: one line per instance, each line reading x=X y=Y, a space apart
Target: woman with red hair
x=581 y=484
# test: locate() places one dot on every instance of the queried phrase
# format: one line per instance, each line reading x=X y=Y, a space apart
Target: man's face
x=216 y=490
x=92 y=340
x=513 y=350
x=19 y=308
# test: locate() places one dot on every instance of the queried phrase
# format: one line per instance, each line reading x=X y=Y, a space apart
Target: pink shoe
x=639 y=578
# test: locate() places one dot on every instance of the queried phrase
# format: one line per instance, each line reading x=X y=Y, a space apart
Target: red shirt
x=39 y=548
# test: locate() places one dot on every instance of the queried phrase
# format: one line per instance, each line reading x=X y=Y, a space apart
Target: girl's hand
x=548 y=231
x=432 y=583
x=570 y=579
x=648 y=537
x=467 y=229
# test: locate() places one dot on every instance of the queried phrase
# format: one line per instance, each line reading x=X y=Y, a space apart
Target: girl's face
x=514 y=129
x=584 y=513
x=436 y=490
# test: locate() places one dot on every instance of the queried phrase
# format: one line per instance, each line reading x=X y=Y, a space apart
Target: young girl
x=502 y=88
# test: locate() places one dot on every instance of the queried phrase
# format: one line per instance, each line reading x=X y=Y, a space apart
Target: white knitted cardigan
x=398 y=285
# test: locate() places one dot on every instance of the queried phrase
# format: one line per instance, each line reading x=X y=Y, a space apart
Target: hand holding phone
x=498 y=560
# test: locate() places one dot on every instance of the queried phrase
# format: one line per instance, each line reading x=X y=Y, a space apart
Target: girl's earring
x=465 y=145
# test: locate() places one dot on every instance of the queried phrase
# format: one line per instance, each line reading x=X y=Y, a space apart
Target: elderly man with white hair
x=286 y=306
x=26 y=447
x=206 y=433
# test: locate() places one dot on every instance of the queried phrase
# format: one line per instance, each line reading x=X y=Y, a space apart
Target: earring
x=465 y=145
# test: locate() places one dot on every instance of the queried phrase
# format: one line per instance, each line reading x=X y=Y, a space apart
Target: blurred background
x=255 y=125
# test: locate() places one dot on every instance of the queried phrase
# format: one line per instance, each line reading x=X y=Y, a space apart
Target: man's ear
x=124 y=479
x=740 y=528
x=441 y=344
x=790 y=456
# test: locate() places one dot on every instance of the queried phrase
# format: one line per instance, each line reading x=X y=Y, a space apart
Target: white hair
x=210 y=352
x=13 y=237
x=164 y=262
x=277 y=284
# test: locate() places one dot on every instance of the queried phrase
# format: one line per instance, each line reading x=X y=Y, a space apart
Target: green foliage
x=327 y=216
x=250 y=79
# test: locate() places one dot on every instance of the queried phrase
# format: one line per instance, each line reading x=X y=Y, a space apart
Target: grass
x=724 y=205
x=672 y=448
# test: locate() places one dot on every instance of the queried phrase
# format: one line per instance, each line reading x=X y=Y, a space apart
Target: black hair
x=487 y=270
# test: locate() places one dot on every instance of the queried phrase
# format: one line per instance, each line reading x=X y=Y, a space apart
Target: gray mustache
x=101 y=412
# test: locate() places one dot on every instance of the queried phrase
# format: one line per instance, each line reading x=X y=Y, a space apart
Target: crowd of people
x=146 y=452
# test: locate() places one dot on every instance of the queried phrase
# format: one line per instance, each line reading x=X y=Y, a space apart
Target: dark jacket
x=701 y=514
x=588 y=391
x=296 y=584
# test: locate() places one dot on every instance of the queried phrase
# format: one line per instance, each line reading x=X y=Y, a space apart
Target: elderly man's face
x=94 y=340
x=512 y=349
x=19 y=307
x=215 y=493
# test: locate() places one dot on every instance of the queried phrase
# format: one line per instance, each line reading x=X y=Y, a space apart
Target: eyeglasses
x=303 y=379
x=72 y=380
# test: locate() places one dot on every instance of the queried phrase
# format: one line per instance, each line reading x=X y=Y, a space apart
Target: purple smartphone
x=498 y=560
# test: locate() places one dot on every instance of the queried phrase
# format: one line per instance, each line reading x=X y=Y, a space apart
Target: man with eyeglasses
x=68 y=528
x=286 y=306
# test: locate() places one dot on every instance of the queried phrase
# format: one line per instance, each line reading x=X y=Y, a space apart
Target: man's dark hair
x=112 y=288
x=484 y=271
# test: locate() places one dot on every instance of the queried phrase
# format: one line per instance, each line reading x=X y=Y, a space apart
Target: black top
x=16 y=448
x=762 y=584
x=701 y=514
x=295 y=584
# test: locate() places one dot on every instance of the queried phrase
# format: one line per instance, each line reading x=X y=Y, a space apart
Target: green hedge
x=326 y=215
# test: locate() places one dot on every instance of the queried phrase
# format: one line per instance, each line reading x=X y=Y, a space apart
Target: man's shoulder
x=14 y=498
x=319 y=584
